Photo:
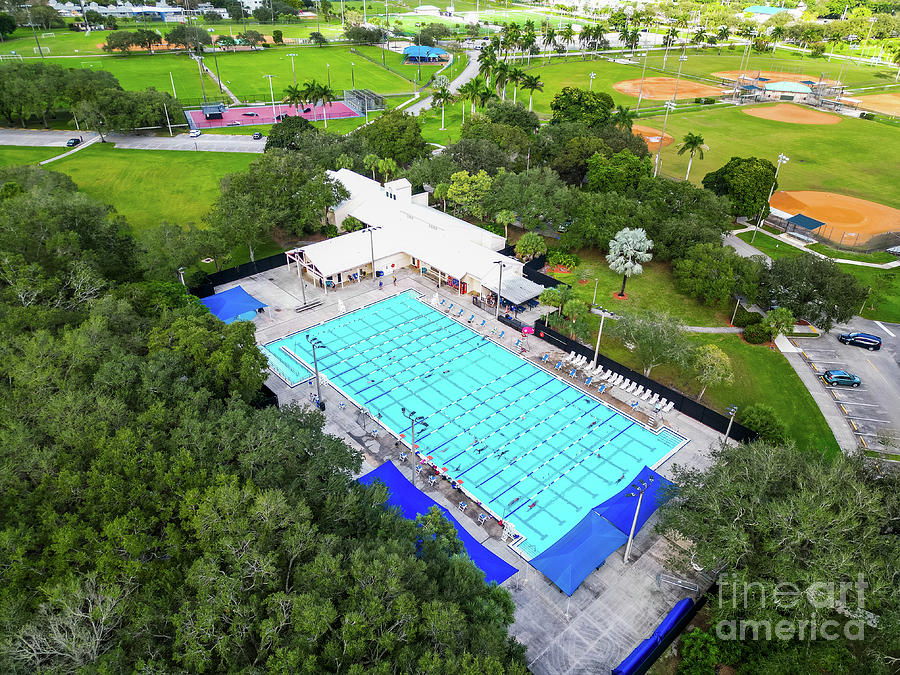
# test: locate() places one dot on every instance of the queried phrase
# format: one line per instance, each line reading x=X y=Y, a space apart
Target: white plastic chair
x=669 y=406
x=646 y=395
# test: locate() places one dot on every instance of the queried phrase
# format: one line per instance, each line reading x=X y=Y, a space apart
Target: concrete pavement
x=203 y=143
x=80 y=146
x=41 y=138
x=468 y=73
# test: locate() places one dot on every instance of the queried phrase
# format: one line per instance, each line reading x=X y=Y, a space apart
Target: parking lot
x=874 y=406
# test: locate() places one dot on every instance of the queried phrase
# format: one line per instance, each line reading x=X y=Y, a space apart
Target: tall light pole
x=272 y=92
x=371 y=231
x=639 y=491
x=670 y=106
x=596 y=283
x=499 y=286
x=599 y=333
x=414 y=419
x=732 y=411
x=862 y=50
x=216 y=59
x=591 y=82
x=641 y=90
x=352 y=78
x=200 y=70
x=316 y=342
x=328 y=73
x=782 y=159
x=681 y=60
x=293 y=72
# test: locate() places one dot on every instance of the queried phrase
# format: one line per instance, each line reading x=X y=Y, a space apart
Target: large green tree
x=656 y=338
x=397 y=135
x=746 y=181
x=572 y=104
x=798 y=540
x=714 y=274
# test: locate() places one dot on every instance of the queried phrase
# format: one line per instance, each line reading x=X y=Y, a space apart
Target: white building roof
x=436 y=238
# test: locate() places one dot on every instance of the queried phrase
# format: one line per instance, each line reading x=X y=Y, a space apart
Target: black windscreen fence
x=683 y=404
x=207 y=286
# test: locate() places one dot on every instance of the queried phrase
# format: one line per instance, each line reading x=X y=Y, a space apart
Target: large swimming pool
x=534 y=450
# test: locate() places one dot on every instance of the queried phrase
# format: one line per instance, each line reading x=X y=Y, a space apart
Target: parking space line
x=869 y=405
x=885 y=328
x=873 y=366
x=866 y=419
x=846 y=389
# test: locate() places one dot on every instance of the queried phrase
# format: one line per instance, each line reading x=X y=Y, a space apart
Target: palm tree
x=486 y=63
x=294 y=95
x=470 y=91
x=567 y=34
x=550 y=40
x=485 y=94
x=515 y=76
x=623 y=117
x=532 y=82
x=310 y=92
x=387 y=167
x=441 y=97
x=699 y=37
x=501 y=77
x=895 y=57
x=778 y=33
x=370 y=161
x=440 y=192
x=722 y=35
x=627 y=250
x=326 y=96
x=692 y=143
x=585 y=37
x=505 y=218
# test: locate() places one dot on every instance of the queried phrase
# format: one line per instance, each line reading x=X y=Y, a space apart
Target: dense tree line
x=804 y=545
x=30 y=90
x=154 y=516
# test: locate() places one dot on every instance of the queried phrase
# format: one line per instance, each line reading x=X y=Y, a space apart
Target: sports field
x=243 y=72
x=849 y=158
x=180 y=186
x=17 y=154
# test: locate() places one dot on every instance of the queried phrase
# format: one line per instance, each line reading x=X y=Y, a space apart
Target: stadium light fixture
x=639 y=491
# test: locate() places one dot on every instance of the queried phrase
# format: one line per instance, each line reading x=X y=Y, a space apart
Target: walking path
x=468 y=73
x=713 y=329
x=90 y=141
x=219 y=83
x=743 y=247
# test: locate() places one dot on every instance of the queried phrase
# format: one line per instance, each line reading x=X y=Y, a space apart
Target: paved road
x=181 y=141
x=468 y=73
x=744 y=249
x=39 y=138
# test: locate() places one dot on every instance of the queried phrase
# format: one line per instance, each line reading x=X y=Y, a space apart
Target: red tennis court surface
x=264 y=115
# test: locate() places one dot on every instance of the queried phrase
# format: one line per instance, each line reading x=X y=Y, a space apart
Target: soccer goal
x=10 y=57
x=46 y=35
x=39 y=50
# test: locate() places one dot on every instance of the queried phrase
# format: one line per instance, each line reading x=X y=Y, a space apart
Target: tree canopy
x=156 y=515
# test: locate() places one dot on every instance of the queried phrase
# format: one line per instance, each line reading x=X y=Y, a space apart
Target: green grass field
x=702 y=63
x=874 y=257
x=150 y=187
x=140 y=71
x=848 y=157
x=761 y=375
x=17 y=154
x=771 y=246
x=652 y=290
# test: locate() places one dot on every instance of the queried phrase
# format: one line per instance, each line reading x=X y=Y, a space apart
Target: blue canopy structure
x=581 y=550
x=605 y=528
x=619 y=509
x=634 y=662
x=232 y=305
x=411 y=501
x=805 y=222
x=421 y=53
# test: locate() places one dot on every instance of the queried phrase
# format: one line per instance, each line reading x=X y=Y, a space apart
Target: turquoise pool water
x=530 y=448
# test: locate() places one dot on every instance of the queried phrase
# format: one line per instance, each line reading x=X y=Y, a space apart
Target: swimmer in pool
x=532 y=505
x=621 y=478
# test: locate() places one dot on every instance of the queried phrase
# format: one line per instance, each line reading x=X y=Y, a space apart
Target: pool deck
x=616 y=607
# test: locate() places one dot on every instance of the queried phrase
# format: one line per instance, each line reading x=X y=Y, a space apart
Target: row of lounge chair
x=608 y=378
